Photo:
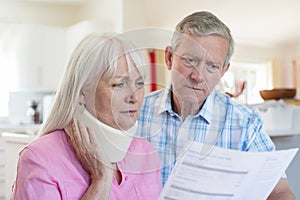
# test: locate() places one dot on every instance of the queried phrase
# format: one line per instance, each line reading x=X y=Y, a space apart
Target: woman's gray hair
x=201 y=24
x=94 y=59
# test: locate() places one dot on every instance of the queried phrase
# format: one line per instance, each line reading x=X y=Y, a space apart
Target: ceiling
x=255 y=22
x=270 y=23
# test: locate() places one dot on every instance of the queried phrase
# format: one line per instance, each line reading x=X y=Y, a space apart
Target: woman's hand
x=92 y=159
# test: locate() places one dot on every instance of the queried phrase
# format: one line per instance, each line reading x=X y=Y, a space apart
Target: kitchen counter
x=11 y=137
x=20 y=128
x=276 y=133
x=286 y=142
x=292 y=102
x=280 y=118
x=13 y=143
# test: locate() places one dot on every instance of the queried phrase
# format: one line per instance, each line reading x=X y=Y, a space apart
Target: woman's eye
x=140 y=84
x=117 y=85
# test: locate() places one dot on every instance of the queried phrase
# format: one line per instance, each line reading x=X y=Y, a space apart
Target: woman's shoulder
x=52 y=139
x=141 y=157
x=140 y=145
x=50 y=145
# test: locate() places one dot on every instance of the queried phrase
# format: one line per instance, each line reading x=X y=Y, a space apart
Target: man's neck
x=185 y=109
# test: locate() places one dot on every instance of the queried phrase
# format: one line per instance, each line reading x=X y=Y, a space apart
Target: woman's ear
x=168 y=56
x=82 y=100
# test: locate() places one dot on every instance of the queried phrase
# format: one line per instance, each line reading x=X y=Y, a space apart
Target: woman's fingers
x=87 y=148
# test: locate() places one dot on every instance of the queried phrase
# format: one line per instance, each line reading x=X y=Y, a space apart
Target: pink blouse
x=49 y=169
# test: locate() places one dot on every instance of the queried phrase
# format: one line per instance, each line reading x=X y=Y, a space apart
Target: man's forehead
x=209 y=46
x=191 y=48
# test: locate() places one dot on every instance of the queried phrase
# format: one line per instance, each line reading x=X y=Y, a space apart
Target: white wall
x=39 y=13
x=134 y=14
x=104 y=11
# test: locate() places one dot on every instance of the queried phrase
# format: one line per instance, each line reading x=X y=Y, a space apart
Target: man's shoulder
x=155 y=94
x=152 y=98
x=236 y=108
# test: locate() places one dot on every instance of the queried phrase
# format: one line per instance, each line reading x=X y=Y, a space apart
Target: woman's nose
x=132 y=97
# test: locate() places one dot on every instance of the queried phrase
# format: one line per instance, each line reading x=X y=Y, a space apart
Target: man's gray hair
x=201 y=24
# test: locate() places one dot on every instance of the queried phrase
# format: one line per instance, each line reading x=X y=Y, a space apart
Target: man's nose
x=197 y=74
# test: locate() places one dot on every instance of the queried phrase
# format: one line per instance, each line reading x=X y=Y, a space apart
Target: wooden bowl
x=278 y=93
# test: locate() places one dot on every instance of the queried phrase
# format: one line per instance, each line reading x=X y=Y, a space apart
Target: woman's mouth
x=130 y=112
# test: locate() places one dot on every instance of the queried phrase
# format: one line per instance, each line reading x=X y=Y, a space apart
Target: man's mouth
x=195 y=88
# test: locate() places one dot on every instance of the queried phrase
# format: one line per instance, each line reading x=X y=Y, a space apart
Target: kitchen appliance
x=33 y=112
x=47 y=105
x=18 y=104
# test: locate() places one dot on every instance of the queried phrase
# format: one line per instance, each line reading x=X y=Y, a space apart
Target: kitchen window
x=258 y=76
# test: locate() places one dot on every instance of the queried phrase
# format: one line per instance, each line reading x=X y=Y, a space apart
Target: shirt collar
x=208 y=107
x=164 y=101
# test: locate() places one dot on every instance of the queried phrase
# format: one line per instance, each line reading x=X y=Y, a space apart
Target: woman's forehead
x=125 y=66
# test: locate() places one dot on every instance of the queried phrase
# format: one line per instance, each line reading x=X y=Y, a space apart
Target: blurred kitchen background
x=38 y=36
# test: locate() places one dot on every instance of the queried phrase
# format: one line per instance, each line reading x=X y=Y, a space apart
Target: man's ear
x=225 y=68
x=168 y=56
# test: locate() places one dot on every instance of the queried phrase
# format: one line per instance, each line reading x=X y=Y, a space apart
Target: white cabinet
x=34 y=55
x=12 y=139
x=2 y=177
x=54 y=57
x=22 y=54
x=13 y=144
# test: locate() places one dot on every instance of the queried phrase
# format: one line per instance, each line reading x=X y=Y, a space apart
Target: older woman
x=86 y=148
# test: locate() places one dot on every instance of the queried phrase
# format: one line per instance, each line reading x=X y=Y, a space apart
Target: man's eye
x=213 y=67
x=190 y=61
x=117 y=85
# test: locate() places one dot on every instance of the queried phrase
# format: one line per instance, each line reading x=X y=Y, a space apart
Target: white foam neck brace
x=114 y=142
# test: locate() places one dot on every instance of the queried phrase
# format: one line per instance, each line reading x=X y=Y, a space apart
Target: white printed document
x=213 y=173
